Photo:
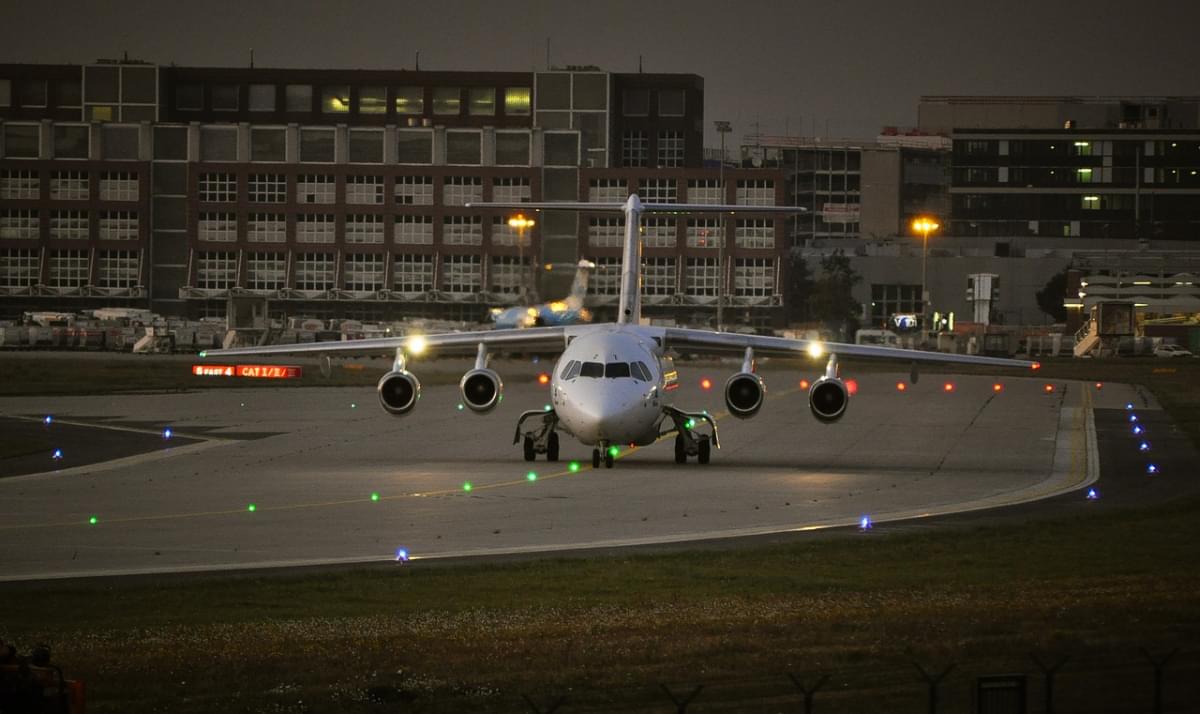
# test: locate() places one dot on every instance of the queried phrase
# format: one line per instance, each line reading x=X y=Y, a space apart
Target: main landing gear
x=542 y=438
x=689 y=442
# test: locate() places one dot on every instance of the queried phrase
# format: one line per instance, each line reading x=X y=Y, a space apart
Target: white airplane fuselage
x=608 y=385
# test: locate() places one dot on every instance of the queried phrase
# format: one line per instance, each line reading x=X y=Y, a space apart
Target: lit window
x=372 y=100
x=335 y=99
x=704 y=232
x=410 y=100
x=517 y=101
x=481 y=101
x=447 y=100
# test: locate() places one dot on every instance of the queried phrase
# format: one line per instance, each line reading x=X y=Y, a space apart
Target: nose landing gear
x=602 y=452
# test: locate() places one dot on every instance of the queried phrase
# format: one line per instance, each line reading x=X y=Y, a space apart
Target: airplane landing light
x=865 y=524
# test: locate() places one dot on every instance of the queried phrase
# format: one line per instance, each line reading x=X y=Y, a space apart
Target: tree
x=832 y=297
x=1050 y=297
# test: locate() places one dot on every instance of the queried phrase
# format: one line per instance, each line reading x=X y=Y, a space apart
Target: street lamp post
x=520 y=222
x=924 y=225
x=723 y=128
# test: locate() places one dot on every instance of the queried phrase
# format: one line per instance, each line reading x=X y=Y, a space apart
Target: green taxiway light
x=460 y=406
x=614 y=451
x=252 y=508
x=203 y=355
x=574 y=467
x=467 y=486
x=93 y=520
x=374 y=496
x=531 y=476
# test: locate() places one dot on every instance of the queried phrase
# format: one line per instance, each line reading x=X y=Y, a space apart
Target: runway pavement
x=323 y=475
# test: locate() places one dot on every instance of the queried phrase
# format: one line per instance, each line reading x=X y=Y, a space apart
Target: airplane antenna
x=251 y=58
x=418 y=60
x=639 y=64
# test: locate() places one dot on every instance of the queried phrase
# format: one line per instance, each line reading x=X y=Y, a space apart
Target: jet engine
x=481 y=390
x=399 y=391
x=828 y=397
x=744 y=394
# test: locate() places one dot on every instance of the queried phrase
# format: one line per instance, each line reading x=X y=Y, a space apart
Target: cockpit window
x=592 y=369
x=571 y=371
x=639 y=371
x=616 y=370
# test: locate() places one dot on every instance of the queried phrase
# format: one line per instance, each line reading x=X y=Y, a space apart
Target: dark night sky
x=854 y=65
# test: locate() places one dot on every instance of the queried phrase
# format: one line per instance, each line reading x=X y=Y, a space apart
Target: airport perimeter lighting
x=1144 y=446
x=167 y=433
x=924 y=225
x=865 y=524
x=1137 y=429
x=401 y=555
x=723 y=128
x=1133 y=418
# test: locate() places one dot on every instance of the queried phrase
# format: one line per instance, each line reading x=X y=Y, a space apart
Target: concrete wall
x=880 y=215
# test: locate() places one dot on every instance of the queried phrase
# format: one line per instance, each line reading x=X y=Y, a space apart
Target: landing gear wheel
x=705 y=452
x=552 y=447
x=608 y=459
x=530 y=454
x=595 y=458
x=680 y=450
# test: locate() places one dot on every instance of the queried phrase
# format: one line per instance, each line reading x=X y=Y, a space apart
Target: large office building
x=341 y=193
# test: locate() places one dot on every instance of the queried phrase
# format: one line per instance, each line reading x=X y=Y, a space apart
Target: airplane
x=567 y=311
x=611 y=384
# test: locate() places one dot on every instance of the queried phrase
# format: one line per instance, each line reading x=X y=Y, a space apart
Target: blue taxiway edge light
x=1092 y=494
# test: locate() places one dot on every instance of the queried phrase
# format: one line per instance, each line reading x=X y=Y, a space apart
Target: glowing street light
x=521 y=223
x=924 y=225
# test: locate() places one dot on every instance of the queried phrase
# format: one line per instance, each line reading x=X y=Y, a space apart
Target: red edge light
x=1036 y=365
x=543 y=379
x=901 y=386
x=852 y=386
x=804 y=384
x=997 y=387
x=948 y=386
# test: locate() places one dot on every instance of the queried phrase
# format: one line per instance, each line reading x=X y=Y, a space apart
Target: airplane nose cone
x=602 y=411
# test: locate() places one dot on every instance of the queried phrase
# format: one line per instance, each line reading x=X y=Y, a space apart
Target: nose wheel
x=602 y=453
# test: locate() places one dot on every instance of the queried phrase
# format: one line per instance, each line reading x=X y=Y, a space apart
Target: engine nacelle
x=828 y=398
x=744 y=393
x=481 y=390
x=398 y=392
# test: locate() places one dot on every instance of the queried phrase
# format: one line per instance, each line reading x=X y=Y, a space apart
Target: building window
x=606 y=232
x=755 y=233
x=69 y=185
x=704 y=232
x=19 y=223
x=315 y=228
x=504 y=234
x=517 y=101
x=217 y=226
x=262 y=97
x=658 y=277
x=511 y=189
x=512 y=148
x=635 y=102
x=462 y=230
x=268 y=143
x=364 y=190
x=460 y=190
x=218 y=188
x=364 y=228
x=754 y=277
x=117 y=269
x=701 y=278
x=706 y=191
x=447 y=101
x=977 y=147
x=608 y=190
x=414 y=230
x=267 y=188
x=124 y=143
x=225 y=97
x=634 y=149
x=69 y=225
x=19 y=268
x=22 y=141
x=670 y=149
x=366 y=146
x=316 y=188
x=72 y=142
x=659 y=232
x=412 y=274
x=299 y=97
x=118 y=225
x=5 y=92
x=364 y=272
x=68 y=268
x=216 y=271
x=414 y=146
x=317 y=145
x=755 y=192
x=606 y=279
x=188 y=97
x=888 y=300
x=266 y=228
x=481 y=101
x=19 y=184
x=461 y=274
x=658 y=190
x=118 y=186
x=464 y=147
x=414 y=190
x=410 y=100
x=335 y=99
x=1087 y=175
x=266 y=271
x=372 y=100
x=314 y=271
x=670 y=102
x=218 y=143
x=504 y=278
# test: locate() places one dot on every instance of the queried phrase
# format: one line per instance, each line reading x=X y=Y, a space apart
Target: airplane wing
x=709 y=342
x=535 y=339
